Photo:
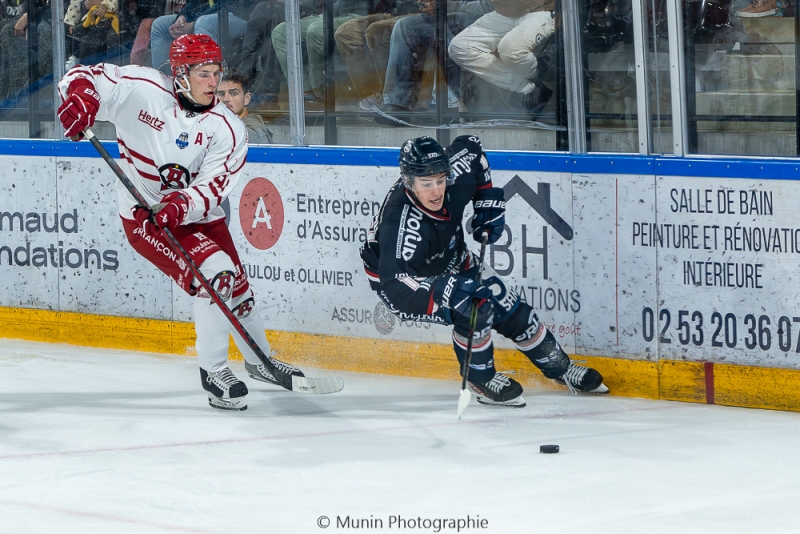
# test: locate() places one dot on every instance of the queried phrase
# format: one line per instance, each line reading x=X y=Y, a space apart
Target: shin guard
x=533 y=339
x=548 y=356
x=481 y=367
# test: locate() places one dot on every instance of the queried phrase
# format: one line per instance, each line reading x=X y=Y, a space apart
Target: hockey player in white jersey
x=184 y=151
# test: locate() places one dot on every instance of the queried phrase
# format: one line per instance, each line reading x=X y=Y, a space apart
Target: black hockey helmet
x=423 y=156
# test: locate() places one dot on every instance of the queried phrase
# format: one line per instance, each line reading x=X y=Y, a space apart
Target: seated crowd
x=497 y=52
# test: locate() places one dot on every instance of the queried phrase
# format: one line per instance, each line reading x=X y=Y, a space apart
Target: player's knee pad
x=481 y=338
x=548 y=356
x=522 y=326
x=219 y=270
x=243 y=305
x=483 y=323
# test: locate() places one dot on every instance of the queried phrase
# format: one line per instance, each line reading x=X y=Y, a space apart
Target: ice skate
x=499 y=391
x=260 y=371
x=583 y=379
x=225 y=391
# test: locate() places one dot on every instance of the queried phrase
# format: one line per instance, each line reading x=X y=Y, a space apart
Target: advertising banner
x=300 y=230
x=727 y=259
x=640 y=267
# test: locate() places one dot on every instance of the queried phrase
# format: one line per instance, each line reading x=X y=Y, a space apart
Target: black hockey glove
x=490 y=213
x=456 y=294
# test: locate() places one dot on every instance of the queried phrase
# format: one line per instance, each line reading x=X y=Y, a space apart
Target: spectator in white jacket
x=501 y=46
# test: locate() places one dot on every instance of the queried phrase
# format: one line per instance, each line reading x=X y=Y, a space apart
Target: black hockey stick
x=465 y=396
x=286 y=380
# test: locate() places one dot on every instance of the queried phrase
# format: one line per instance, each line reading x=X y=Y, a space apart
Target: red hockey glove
x=79 y=109
x=142 y=216
x=172 y=210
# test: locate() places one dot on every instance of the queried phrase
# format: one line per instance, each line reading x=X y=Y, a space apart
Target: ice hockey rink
x=95 y=440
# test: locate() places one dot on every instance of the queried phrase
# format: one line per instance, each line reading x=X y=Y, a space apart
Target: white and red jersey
x=163 y=146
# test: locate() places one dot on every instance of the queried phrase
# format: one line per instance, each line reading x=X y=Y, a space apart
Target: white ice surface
x=108 y=441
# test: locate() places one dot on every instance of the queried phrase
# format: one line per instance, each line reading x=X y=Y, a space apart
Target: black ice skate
x=260 y=371
x=583 y=379
x=225 y=391
x=499 y=391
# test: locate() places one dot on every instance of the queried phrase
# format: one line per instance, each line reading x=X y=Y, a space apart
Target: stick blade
x=317 y=386
x=464 y=398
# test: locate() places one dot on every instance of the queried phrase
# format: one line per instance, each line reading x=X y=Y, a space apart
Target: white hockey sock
x=255 y=327
x=212 y=335
x=211 y=326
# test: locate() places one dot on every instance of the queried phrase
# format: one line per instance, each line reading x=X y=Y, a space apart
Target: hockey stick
x=465 y=397
x=288 y=381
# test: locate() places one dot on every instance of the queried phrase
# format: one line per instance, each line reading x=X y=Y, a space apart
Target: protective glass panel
x=252 y=34
x=117 y=32
x=26 y=64
x=609 y=75
x=378 y=73
x=740 y=63
x=127 y=32
x=658 y=77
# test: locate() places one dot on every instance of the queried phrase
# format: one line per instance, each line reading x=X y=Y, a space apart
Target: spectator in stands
x=234 y=92
x=10 y=10
x=312 y=35
x=146 y=12
x=412 y=38
x=197 y=16
x=363 y=43
x=501 y=47
x=257 y=48
x=14 y=58
x=94 y=26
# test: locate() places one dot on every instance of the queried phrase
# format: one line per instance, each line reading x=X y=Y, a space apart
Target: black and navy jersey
x=409 y=248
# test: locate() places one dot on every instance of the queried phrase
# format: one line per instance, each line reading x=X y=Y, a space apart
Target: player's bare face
x=204 y=81
x=233 y=96
x=429 y=190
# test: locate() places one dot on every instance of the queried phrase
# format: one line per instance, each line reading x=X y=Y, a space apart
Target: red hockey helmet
x=193 y=49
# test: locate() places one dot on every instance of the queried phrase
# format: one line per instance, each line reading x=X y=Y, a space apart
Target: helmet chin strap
x=183 y=86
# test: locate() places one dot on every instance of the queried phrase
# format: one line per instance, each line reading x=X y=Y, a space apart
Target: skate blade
x=262 y=378
x=238 y=404
x=599 y=390
x=519 y=402
x=317 y=386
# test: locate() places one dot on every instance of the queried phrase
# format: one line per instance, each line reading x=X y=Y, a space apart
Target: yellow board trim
x=733 y=385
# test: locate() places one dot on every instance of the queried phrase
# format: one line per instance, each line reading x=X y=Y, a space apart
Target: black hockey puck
x=548 y=449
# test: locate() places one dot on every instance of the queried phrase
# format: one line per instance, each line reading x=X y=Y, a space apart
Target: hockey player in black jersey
x=418 y=262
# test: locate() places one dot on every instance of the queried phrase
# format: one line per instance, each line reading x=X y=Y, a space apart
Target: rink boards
x=674 y=286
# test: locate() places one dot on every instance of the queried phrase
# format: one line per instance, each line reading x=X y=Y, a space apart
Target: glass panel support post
x=677 y=77
x=442 y=134
x=59 y=61
x=34 y=118
x=576 y=114
x=797 y=73
x=643 y=111
x=224 y=29
x=329 y=46
x=294 y=78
